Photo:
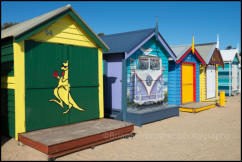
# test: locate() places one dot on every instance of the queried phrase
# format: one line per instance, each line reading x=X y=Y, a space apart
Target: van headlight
x=138 y=88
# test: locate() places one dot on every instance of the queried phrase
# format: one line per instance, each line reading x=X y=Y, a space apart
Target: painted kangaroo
x=62 y=91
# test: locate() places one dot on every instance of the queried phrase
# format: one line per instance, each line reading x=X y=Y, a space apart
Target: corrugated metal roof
x=25 y=26
x=125 y=42
x=205 y=50
x=228 y=55
x=179 y=50
x=20 y=28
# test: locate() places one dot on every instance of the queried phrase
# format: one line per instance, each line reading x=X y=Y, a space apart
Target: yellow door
x=187 y=83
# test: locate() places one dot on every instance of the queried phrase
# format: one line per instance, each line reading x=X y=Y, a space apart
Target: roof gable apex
x=48 y=19
x=195 y=53
x=160 y=40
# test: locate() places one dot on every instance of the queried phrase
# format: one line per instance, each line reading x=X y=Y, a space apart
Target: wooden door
x=234 y=77
x=211 y=81
x=187 y=83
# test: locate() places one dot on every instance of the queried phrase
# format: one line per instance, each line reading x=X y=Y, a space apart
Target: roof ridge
x=180 y=45
x=203 y=44
x=229 y=49
x=200 y=44
x=126 y=32
x=36 y=17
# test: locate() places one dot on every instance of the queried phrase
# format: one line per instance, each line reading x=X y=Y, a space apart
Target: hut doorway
x=188 y=82
x=211 y=81
x=234 y=77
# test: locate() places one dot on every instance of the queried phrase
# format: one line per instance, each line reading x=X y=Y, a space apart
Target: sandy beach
x=213 y=134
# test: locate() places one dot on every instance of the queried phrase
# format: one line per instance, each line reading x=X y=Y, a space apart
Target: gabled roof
x=125 y=42
x=128 y=42
x=228 y=55
x=182 y=50
x=206 y=50
x=29 y=25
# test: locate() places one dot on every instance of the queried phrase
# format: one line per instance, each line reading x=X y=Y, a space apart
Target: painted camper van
x=147 y=80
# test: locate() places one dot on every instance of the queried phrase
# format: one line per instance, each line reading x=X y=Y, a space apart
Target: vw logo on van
x=149 y=80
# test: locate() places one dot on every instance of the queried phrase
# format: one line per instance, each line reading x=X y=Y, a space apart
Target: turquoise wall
x=158 y=50
x=224 y=82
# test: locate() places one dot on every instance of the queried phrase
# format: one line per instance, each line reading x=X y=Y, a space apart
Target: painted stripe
x=196 y=110
x=161 y=40
x=194 y=82
x=186 y=53
x=19 y=73
x=8 y=82
x=9 y=79
x=8 y=86
x=100 y=79
x=139 y=45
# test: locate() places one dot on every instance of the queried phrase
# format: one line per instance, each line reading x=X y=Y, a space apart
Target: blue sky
x=178 y=21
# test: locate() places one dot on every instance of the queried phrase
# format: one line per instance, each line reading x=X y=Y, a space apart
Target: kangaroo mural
x=62 y=91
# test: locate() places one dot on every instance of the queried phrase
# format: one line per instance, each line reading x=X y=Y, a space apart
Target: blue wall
x=174 y=80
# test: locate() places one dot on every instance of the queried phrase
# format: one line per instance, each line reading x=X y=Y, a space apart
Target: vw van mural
x=147 y=80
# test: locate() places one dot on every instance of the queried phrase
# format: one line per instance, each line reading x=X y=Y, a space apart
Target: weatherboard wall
x=174 y=79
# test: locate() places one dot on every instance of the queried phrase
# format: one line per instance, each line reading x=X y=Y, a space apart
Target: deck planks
x=58 y=141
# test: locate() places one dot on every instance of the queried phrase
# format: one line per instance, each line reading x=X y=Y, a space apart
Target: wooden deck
x=61 y=140
x=197 y=106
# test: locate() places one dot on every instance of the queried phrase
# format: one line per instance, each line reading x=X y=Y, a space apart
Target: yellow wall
x=203 y=87
x=100 y=78
x=65 y=31
x=202 y=77
x=19 y=73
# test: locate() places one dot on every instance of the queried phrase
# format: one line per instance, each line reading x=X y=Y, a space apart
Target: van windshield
x=143 y=64
x=154 y=64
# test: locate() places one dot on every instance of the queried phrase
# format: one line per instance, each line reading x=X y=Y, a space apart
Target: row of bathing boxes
x=56 y=71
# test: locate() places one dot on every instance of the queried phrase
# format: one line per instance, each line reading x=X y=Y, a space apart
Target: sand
x=213 y=134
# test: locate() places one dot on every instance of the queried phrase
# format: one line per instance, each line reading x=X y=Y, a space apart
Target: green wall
x=8 y=112
x=41 y=60
x=7 y=68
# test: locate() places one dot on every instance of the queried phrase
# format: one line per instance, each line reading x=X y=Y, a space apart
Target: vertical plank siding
x=8 y=112
x=83 y=77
